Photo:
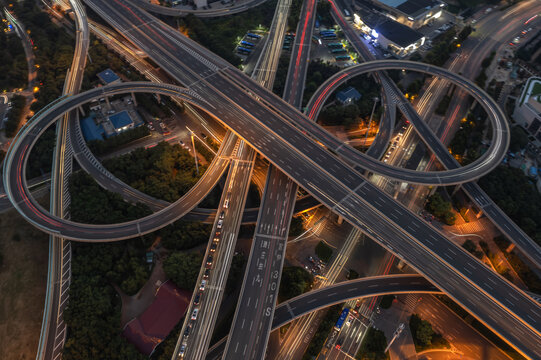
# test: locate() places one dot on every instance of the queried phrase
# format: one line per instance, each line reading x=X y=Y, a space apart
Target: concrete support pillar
x=134 y=99
x=479 y=214
x=107 y=101
x=82 y=111
x=456 y=188
x=340 y=220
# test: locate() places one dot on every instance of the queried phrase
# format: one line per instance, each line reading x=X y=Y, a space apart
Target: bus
x=328 y=36
x=253 y=36
x=243 y=50
x=336 y=46
x=247 y=44
x=343 y=58
x=341 y=319
x=326 y=31
x=339 y=51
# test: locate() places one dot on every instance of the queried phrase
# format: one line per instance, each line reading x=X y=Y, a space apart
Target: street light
x=194 y=151
x=376 y=99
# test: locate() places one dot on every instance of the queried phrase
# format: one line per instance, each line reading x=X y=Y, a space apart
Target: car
x=222 y=214
x=217 y=234
x=220 y=224
x=213 y=247
x=197 y=299
x=203 y=284
x=209 y=261
x=387 y=55
x=206 y=274
x=194 y=314
x=182 y=350
x=187 y=331
x=217 y=239
x=226 y=203
x=203 y=136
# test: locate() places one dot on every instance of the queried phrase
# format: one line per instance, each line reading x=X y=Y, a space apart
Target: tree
x=324 y=251
x=297 y=226
x=441 y=209
x=183 y=268
x=519 y=139
x=421 y=330
x=373 y=345
x=295 y=281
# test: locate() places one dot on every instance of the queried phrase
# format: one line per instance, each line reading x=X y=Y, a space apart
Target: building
x=90 y=130
x=150 y=328
x=398 y=38
x=347 y=96
x=121 y=121
x=412 y=13
x=391 y=35
x=108 y=76
x=527 y=111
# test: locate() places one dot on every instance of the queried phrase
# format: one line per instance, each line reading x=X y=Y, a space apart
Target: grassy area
x=23 y=276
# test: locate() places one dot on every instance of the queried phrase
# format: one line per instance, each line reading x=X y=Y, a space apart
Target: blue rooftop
x=121 y=119
x=91 y=131
x=348 y=94
x=108 y=76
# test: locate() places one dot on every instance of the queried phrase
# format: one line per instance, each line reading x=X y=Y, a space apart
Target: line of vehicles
x=246 y=47
x=288 y=40
x=208 y=267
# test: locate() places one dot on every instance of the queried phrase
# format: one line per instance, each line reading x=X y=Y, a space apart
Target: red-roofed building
x=151 y=327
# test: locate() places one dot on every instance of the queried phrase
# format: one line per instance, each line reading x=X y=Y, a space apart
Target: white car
x=202 y=286
x=194 y=314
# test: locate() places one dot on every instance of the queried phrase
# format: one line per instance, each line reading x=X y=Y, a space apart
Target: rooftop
x=411 y=7
x=401 y=35
x=150 y=328
x=91 y=131
x=349 y=93
x=531 y=89
x=121 y=119
x=108 y=76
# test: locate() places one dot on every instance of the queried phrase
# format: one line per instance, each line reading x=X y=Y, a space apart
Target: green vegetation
x=532 y=281
x=103 y=58
x=295 y=281
x=13 y=65
x=318 y=71
x=471 y=247
x=53 y=49
x=360 y=110
x=324 y=13
x=443 y=105
x=325 y=326
x=220 y=34
x=297 y=226
x=386 y=301
x=182 y=234
x=281 y=75
x=93 y=312
x=517 y=197
x=15 y=115
x=165 y=171
x=352 y=274
x=373 y=345
x=467 y=140
x=441 y=209
x=324 y=251
x=482 y=77
x=445 y=45
x=183 y=268
x=424 y=336
x=519 y=139
x=203 y=150
x=40 y=159
x=102 y=147
x=469 y=319
x=294 y=14
x=94 y=205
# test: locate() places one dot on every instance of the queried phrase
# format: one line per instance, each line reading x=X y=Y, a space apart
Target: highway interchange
x=274 y=132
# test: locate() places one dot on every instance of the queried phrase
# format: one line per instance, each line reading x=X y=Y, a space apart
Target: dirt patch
x=23 y=276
